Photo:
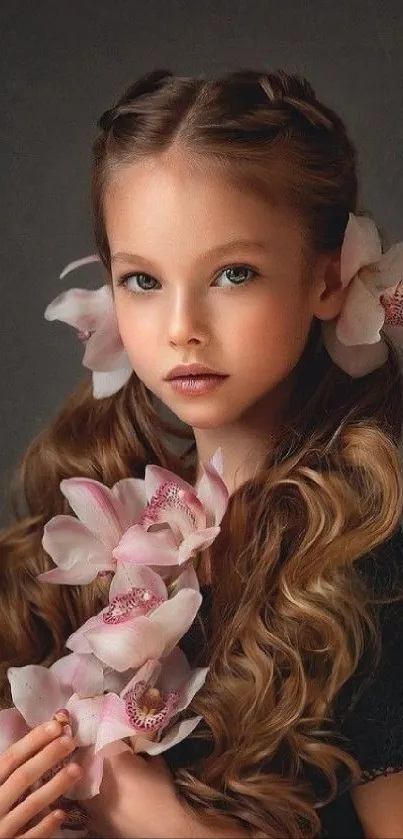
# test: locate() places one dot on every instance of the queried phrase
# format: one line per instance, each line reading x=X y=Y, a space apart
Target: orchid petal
x=149 y=673
x=12 y=728
x=81 y=308
x=95 y=505
x=77 y=575
x=362 y=316
x=216 y=461
x=78 y=641
x=115 y=724
x=69 y=542
x=175 y=671
x=156 y=476
x=356 y=361
x=194 y=683
x=131 y=495
x=213 y=493
x=104 y=348
x=127 y=644
x=116 y=682
x=78 y=263
x=197 y=541
x=177 y=675
x=197 y=511
x=106 y=384
x=89 y=784
x=175 y=616
x=177 y=733
x=146 y=548
x=86 y=716
x=361 y=246
x=129 y=576
x=176 y=507
x=80 y=674
x=188 y=579
x=36 y=693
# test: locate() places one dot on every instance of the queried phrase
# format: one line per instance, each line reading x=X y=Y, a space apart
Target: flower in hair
x=149 y=703
x=178 y=521
x=374 y=303
x=140 y=622
x=92 y=314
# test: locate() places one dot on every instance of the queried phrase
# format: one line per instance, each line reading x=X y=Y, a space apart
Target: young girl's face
x=214 y=276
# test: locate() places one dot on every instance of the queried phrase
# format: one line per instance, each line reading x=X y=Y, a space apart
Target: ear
x=328 y=292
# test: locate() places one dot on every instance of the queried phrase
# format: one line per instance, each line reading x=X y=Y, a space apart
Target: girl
x=224 y=215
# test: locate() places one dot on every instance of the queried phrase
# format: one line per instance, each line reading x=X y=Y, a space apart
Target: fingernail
x=62 y=716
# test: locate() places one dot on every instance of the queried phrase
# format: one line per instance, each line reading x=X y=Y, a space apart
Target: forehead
x=173 y=199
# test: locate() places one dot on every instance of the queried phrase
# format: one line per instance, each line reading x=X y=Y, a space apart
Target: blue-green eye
x=144 y=280
x=238 y=274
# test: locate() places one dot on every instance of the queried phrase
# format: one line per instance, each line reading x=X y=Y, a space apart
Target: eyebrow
x=227 y=247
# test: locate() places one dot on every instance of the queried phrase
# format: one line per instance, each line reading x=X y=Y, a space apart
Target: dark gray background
x=65 y=62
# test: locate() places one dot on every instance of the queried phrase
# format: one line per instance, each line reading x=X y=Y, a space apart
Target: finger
x=46 y=827
x=43 y=797
x=28 y=773
x=28 y=745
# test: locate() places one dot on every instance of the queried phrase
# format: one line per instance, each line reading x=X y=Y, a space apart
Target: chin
x=206 y=417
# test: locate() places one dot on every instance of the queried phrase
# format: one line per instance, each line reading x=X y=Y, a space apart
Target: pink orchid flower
x=82 y=547
x=178 y=520
x=92 y=314
x=74 y=682
x=374 y=300
x=140 y=621
x=158 y=692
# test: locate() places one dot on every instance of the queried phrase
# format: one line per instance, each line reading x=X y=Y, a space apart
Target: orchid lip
x=191 y=370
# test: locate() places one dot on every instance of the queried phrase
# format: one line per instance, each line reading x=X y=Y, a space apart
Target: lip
x=184 y=370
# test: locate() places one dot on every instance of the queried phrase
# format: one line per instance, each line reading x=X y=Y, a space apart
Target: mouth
x=197 y=384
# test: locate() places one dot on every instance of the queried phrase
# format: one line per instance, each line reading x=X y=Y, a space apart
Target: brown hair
x=290 y=612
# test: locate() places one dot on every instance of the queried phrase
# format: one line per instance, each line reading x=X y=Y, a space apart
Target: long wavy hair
x=291 y=615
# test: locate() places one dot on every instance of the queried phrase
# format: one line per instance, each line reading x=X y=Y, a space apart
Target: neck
x=244 y=445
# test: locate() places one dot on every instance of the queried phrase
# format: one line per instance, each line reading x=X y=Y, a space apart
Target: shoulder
x=371 y=702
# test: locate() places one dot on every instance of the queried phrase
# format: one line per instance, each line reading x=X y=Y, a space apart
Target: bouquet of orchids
x=126 y=678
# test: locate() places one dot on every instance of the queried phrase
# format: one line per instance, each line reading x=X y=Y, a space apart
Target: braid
x=296 y=92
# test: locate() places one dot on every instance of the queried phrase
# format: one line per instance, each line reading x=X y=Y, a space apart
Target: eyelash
x=123 y=281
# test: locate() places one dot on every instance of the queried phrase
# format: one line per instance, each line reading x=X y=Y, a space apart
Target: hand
x=137 y=798
x=22 y=766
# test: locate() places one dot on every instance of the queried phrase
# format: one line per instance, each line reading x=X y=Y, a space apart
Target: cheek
x=276 y=330
x=137 y=332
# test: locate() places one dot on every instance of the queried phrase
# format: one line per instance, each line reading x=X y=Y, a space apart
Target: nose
x=186 y=321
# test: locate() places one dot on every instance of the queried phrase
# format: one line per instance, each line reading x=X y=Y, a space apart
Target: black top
x=369 y=707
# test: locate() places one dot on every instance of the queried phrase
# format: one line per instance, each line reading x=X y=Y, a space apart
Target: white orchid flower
x=82 y=547
x=140 y=622
x=117 y=525
x=92 y=314
x=178 y=521
x=74 y=682
x=374 y=300
x=158 y=692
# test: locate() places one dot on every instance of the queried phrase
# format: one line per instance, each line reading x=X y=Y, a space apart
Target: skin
x=23 y=764
x=174 y=216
